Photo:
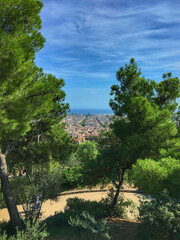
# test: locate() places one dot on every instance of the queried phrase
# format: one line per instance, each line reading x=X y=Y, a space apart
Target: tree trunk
x=8 y=197
x=118 y=186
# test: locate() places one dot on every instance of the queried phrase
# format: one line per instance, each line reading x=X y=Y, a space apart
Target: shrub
x=72 y=178
x=154 y=176
x=160 y=218
x=31 y=232
x=89 y=228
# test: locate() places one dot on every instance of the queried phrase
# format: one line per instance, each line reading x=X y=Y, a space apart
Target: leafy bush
x=88 y=227
x=31 y=232
x=44 y=183
x=72 y=178
x=154 y=176
x=160 y=218
x=77 y=172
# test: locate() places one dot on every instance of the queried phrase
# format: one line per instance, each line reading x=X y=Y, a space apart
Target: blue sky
x=88 y=40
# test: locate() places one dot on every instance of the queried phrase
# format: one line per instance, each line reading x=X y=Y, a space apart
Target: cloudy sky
x=88 y=40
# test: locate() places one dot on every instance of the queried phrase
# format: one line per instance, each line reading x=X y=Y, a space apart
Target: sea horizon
x=90 y=111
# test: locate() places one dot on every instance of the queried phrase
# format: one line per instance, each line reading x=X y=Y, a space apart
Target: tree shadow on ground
x=123 y=229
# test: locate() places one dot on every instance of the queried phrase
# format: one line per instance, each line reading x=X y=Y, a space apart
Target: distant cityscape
x=84 y=127
x=91 y=111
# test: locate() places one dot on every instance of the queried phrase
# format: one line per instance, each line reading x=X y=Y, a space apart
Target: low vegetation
x=160 y=218
x=153 y=176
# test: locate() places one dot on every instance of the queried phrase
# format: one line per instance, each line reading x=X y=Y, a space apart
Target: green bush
x=31 y=232
x=154 y=176
x=89 y=228
x=44 y=183
x=72 y=178
x=160 y=218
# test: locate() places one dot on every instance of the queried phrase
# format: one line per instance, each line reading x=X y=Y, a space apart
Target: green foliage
x=79 y=172
x=173 y=152
x=155 y=176
x=20 y=40
x=145 y=125
x=96 y=210
x=31 y=232
x=31 y=102
x=86 y=151
x=132 y=86
x=176 y=119
x=144 y=108
x=45 y=145
x=72 y=176
x=27 y=94
x=45 y=184
x=160 y=218
x=142 y=125
x=89 y=227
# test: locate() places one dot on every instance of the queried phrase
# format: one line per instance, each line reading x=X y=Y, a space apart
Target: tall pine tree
x=26 y=94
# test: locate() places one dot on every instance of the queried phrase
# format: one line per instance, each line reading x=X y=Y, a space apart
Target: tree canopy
x=142 y=125
x=31 y=102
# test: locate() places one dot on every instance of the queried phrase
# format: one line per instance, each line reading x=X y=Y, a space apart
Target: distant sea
x=91 y=111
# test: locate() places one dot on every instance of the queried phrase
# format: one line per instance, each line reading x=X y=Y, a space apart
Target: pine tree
x=26 y=94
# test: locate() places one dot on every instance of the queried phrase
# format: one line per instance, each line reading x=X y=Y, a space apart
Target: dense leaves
x=91 y=229
x=155 y=176
x=142 y=126
x=160 y=218
x=31 y=232
x=32 y=103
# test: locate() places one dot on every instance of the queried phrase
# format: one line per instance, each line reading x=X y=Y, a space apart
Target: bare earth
x=49 y=208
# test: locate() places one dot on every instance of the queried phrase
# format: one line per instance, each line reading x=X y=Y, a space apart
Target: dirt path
x=50 y=207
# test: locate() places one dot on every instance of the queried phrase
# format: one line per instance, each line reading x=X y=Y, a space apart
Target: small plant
x=31 y=232
x=160 y=218
x=87 y=226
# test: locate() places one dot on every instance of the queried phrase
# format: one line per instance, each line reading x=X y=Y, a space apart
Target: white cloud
x=89 y=40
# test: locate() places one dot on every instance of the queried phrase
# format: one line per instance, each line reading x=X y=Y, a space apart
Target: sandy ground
x=49 y=208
